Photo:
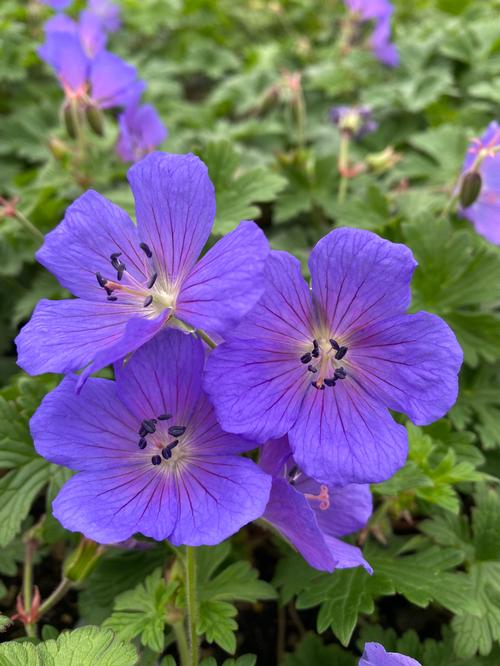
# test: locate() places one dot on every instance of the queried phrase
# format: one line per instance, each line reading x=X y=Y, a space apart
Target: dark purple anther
x=156 y=460
x=320 y=388
x=311 y=368
x=112 y=298
x=306 y=358
x=101 y=280
x=147 y=301
x=149 y=426
x=341 y=353
x=142 y=443
x=329 y=381
x=340 y=373
x=146 y=249
x=120 y=271
x=152 y=280
x=166 y=453
x=334 y=344
x=176 y=431
x=164 y=417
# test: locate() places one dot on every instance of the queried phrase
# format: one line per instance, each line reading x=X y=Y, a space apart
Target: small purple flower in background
x=311 y=516
x=108 y=12
x=57 y=4
x=150 y=456
x=380 y=12
x=375 y=655
x=88 y=30
x=141 y=131
x=326 y=366
x=484 y=213
x=354 y=120
x=104 y=81
x=131 y=281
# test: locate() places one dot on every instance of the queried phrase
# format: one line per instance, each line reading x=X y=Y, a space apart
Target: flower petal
x=227 y=282
x=88 y=431
x=217 y=496
x=80 y=246
x=289 y=512
x=112 y=504
x=346 y=555
x=410 y=363
x=113 y=81
x=62 y=336
x=274 y=455
x=375 y=655
x=163 y=376
x=175 y=208
x=342 y=435
x=255 y=380
x=64 y=53
x=358 y=278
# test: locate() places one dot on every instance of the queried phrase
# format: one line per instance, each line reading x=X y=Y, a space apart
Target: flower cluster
x=310 y=374
x=356 y=121
x=94 y=79
x=380 y=13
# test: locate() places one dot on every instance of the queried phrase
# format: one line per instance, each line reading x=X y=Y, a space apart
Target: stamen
x=108 y=291
x=323 y=498
x=101 y=280
x=147 y=301
x=148 y=426
x=341 y=353
x=306 y=358
x=315 y=344
x=152 y=280
x=340 y=373
x=334 y=344
x=142 y=443
x=142 y=431
x=112 y=298
x=320 y=388
x=329 y=381
x=176 y=431
x=115 y=256
x=156 y=460
x=121 y=269
x=164 y=417
x=145 y=248
x=311 y=368
x=173 y=444
x=166 y=453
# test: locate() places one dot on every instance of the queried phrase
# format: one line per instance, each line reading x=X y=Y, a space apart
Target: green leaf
x=237 y=190
x=311 y=650
x=87 y=646
x=142 y=611
x=216 y=622
x=237 y=582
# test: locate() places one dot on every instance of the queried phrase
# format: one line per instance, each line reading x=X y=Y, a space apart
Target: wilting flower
x=131 y=281
x=150 y=455
x=380 y=12
x=313 y=516
x=104 y=81
x=354 y=120
x=108 y=12
x=375 y=655
x=89 y=31
x=326 y=366
x=484 y=213
x=141 y=131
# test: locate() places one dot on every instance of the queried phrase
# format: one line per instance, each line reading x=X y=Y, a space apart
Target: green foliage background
x=218 y=72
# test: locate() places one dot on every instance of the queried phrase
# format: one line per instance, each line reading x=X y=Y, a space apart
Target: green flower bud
x=94 y=119
x=70 y=119
x=470 y=188
x=81 y=562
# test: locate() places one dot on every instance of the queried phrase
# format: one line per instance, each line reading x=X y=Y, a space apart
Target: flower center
x=161 y=441
x=322 y=361
x=152 y=293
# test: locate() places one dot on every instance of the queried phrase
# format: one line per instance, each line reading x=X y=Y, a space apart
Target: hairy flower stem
x=29 y=226
x=343 y=165
x=192 y=603
x=182 y=643
x=29 y=552
x=64 y=586
x=206 y=338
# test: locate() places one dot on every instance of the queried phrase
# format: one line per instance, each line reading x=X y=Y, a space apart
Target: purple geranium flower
x=57 y=4
x=484 y=213
x=104 y=81
x=380 y=12
x=150 y=455
x=131 y=281
x=325 y=366
x=108 y=12
x=375 y=655
x=141 y=131
x=88 y=30
x=355 y=120
x=313 y=516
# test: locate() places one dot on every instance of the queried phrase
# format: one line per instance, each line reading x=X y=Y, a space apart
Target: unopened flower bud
x=70 y=119
x=94 y=119
x=384 y=160
x=81 y=562
x=58 y=148
x=470 y=188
